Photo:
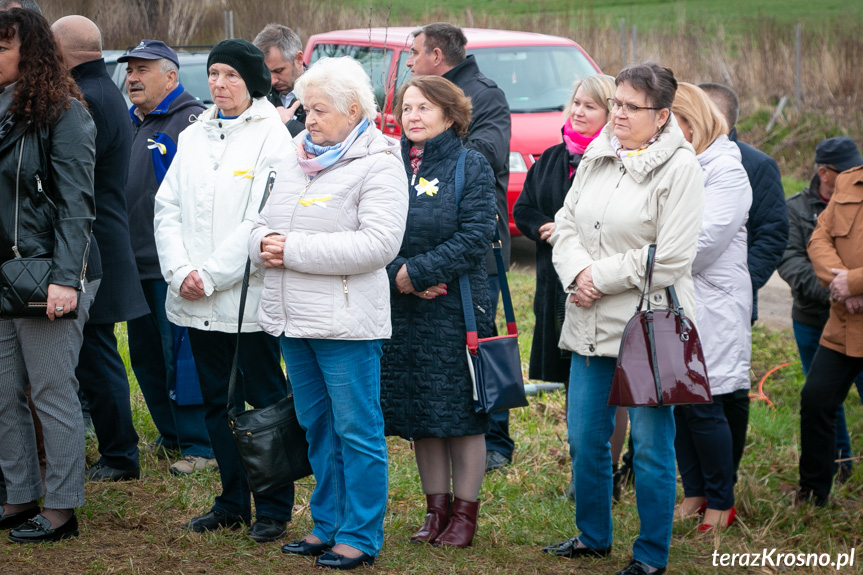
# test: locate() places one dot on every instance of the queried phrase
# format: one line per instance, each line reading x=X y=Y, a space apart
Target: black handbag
x=660 y=361
x=24 y=281
x=271 y=442
x=494 y=362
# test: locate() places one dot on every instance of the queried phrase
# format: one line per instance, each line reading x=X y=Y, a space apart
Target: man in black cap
x=161 y=110
x=836 y=252
x=283 y=55
x=811 y=299
x=100 y=370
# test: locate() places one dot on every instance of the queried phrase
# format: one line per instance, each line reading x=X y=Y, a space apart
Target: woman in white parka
x=723 y=297
x=205 y=209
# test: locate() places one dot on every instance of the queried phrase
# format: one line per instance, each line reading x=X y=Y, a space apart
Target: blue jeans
x=337 y=387
x=807 y=338
x=591 y=423
x=151 y=352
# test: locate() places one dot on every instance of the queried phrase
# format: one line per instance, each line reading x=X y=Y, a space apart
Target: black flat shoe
x=305 y=548
x=13 y=520
x=38 y=530
x=102 y=472
x=639 y=568
x=266 y=529
x=335 y=561
x=212 y=520
x=571 y=550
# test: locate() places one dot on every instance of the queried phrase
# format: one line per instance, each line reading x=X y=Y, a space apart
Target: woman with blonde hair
x=723 y=300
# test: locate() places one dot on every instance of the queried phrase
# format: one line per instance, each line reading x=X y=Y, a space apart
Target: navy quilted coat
x=426 y=389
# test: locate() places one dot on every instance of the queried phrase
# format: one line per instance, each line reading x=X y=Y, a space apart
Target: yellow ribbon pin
x=247 y=174
x=154 y=145
x=312 y=201
x=426 y=187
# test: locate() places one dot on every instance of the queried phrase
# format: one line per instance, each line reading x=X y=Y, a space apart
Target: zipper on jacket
x=42 y=191
x=345 y=284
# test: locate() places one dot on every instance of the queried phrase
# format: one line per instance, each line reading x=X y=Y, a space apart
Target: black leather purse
x=24 y=281
x=271 y=442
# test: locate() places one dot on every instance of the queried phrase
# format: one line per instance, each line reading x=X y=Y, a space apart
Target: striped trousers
x=43 y=354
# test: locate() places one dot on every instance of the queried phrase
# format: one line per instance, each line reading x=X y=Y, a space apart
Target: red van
x=535 y=71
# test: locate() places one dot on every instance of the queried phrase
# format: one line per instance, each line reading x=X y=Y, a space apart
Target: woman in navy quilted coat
x=426 y=389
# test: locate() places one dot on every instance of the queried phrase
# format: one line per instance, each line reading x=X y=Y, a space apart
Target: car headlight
x=516 y=163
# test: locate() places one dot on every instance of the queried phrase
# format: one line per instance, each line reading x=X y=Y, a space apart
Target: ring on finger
x=58 y=309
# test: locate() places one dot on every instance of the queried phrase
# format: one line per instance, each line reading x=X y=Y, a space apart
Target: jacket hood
x=441 y=146
x=260 y=109
x=721 y=148
x=641 y=163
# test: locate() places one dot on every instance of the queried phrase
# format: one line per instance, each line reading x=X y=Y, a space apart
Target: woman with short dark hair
x=638 y=184
x=47 y=156
x=426 y=389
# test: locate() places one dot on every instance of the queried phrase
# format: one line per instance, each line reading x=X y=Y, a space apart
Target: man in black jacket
x=439 y=49
x=100 y=372
x=767 y=234
x=283 y=56
x=162 y=109
x=811 y=307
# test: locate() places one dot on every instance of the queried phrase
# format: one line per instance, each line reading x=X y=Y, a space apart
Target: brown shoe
x=437 y=514
x=461 y=528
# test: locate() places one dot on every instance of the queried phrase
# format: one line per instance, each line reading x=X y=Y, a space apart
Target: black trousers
x=736 y=408
x=261 y=383
x=703 y=446
x=103 y=381
x=830 y=377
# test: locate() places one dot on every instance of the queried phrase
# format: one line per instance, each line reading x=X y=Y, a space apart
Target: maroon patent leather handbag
x=660 y=361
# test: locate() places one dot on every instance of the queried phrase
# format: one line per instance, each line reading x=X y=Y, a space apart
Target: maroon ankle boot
x=461 y=528
x=437 y=513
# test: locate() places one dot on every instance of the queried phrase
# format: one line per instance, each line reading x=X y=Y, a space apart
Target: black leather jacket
x=52 y=167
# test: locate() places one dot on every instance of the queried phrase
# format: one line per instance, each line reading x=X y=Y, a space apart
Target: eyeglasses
x=832 y=169
x=627 y=109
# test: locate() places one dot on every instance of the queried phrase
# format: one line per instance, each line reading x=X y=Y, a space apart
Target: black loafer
x=38 y=530
x=571 y=550
x=102 y=472
x=212 y=520
x=335 y=561
x=13 y=520
x=639 y=568
x=266 y=529
x=305 y=548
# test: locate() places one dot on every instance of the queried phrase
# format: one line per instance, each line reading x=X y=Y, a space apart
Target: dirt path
x=774 y=299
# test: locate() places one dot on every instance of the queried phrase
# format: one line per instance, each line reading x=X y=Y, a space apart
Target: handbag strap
x=464 y=280
x=647 y=287
x=232 y=382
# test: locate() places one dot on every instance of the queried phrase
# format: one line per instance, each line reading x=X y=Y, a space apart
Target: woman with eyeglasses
x=638 y=184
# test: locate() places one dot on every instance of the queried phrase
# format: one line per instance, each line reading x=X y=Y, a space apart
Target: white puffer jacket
x=205 y=209
x=342 y=228
x=723 y=290
x=613 y=212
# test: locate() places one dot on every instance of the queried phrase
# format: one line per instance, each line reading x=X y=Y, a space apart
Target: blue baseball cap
x=151 y=50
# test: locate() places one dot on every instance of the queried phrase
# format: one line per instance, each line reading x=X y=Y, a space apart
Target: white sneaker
x=190 y=464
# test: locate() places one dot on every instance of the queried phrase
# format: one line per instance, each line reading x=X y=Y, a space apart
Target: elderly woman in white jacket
x=638 y=184
x=723 y=294
x=335 y=219
x=205 y=209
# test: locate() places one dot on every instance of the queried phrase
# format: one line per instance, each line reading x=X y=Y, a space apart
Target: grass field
x=134 y=527
x=734 y=15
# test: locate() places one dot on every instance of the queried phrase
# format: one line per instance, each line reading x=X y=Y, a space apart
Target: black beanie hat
x=247 y=60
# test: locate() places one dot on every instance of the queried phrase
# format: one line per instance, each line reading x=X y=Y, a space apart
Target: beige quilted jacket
x=342 y=228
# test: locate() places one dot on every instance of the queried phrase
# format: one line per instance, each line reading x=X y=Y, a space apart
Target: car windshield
x=534 y=78
x=194 y=79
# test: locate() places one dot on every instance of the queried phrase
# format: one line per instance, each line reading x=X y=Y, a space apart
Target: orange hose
x=760 y=395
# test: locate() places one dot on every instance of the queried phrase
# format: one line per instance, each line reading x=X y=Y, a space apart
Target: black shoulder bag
x=271 y=442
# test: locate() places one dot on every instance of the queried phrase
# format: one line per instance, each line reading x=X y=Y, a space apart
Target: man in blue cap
x=811 y=307
x=162 y=109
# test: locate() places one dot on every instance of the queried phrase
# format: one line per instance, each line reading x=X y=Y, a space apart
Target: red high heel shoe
x=732 y=515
